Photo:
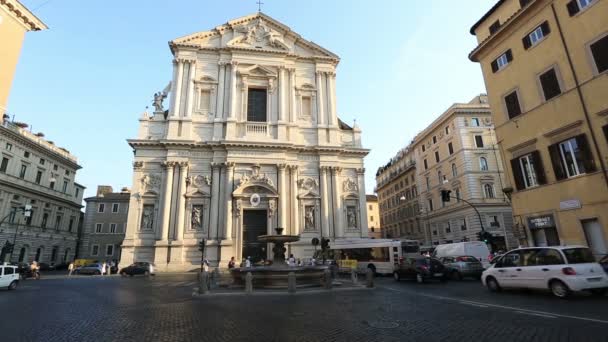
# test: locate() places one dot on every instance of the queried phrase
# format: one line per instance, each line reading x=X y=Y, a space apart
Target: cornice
x=40 y=193
x=23 y=15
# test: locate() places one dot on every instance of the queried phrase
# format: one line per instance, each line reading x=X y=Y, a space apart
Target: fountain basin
x=275 y=276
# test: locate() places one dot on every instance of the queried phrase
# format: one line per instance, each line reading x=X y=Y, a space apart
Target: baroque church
x=250 y=141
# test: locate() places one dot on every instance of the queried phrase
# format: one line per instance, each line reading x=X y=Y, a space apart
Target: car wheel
x=559 y=289
x=396 y=276
x=492 y=284
x=456 y=275
x=13 y=285
x=419 y=278
x=599 y=292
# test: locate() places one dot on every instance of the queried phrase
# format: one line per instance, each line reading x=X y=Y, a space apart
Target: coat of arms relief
x=258 y=35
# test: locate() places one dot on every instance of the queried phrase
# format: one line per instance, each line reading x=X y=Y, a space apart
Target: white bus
x=380 y=255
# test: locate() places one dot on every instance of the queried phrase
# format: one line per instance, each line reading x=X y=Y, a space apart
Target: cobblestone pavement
x=161 y=308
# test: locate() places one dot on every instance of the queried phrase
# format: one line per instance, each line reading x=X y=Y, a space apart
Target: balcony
x=257 y=129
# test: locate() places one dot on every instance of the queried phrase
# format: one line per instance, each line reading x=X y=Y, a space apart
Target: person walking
x=103 y=268
x=205 y=265
x=231 y=263
x=248 y=262
x=292 y=260
x=70 y=269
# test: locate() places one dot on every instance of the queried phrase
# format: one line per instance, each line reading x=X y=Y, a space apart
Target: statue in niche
x=146 y=220
x=197 y=214
x=309 y=217
x=351 y=216
x=158 y=101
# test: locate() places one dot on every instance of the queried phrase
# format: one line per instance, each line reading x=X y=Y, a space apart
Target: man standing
x=70 y=269
x=231 y=263
x=103 y=268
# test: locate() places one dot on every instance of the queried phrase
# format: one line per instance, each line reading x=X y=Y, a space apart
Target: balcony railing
x=260 y=129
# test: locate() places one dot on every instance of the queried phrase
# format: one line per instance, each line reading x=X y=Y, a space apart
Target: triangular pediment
x=257 y=70
x=257 y=32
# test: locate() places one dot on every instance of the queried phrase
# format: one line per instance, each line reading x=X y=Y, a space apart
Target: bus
x=379 y=255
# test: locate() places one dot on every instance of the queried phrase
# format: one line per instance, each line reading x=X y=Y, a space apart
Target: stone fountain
x=275 y=275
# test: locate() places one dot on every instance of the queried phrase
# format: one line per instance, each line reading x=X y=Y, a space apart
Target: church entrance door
x=255 y=223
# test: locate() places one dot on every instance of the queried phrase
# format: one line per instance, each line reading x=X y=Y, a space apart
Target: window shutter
x=572 y=7
x=517 y=174
x=599 y=50
x=539 y=168
x=494 y=66
x=512 y=103
x=509 y=55
x=526 y=41
x=545 y=28
x=588 y=161
x=556 y=160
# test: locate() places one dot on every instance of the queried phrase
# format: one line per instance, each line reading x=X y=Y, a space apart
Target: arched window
x=439 y=177
x=22 y=254
x=483 y=164
x=488 y=190
x=39 y=253
x=454 y=170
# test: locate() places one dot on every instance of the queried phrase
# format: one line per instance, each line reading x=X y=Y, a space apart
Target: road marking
x=535 y=314
x=473 y=304
x=516 y=309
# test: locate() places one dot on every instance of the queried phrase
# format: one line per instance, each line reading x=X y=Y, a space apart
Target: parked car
x=463 y=266
x=9 y=276
x=89 y=269
x=561 y=269
x=604 y=263
x=477 y=249
x=144 y=268
x=422 y=269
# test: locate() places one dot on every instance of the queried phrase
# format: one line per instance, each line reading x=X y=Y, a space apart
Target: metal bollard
x=369 y=278
x=249 y=282
x=353 y=276
x=203 y=285
x=327 y=279
x=291 y=282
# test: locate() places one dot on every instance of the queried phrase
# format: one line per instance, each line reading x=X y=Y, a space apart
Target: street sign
x=27 y=212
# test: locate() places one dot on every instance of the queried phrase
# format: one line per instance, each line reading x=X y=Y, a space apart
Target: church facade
x=250 y=141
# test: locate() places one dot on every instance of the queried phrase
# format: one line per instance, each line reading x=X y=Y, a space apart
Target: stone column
x=281 y=85
x=166 y=218
x=292 y=94
x=233 y=94
x=239 y=234
x=190 y=83
x=337 y=200
x=228 y=200
x=295 y=222
x=331 y=93
x=221 y=87
x=181 y=201
x=324 y=203
x=215 y=198
x=320 y=104
x=362 y=202
x=282 y=197
x=177 y=87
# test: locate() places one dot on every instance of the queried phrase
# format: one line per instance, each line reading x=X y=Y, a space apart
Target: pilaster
x=166 y=202
x=282 y=196
x=181 y=201
x=324 y=202
x=337 y=201
x=219 y=109
x=295 y=222
x=190 y=83
x=362 y=202
x=215 y=194
x=231 y=117
x=228 y=200
x=177 y=87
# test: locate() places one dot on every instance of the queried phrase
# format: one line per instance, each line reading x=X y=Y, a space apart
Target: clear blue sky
x=86 y=80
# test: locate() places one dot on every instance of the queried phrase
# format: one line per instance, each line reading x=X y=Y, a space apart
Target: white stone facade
x=203 y=166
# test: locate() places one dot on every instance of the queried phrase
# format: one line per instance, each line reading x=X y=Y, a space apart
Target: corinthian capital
x=360 y=171
x=137 y=165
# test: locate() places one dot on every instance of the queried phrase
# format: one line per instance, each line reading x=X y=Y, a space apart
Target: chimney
x=103 y=189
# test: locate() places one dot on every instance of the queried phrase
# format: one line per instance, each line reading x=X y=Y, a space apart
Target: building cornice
x=23 y=15
x=40 y=193
x=38 y=147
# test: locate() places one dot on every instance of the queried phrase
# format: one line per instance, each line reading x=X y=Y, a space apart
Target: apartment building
x=373 y=217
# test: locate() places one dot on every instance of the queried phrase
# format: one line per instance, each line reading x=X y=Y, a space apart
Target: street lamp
x=424 y=212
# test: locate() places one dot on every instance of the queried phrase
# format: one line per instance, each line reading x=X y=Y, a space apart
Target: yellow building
x=373 y=217
x=15 y=21
x=545 y=65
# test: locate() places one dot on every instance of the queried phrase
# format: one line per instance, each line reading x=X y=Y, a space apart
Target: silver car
x=463 y=266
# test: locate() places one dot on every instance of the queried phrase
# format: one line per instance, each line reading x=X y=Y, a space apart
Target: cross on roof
x=260 y=3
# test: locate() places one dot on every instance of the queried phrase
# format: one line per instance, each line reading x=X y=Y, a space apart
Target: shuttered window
x=550 y=84
x=536 y=35
x=572 y=157
x=528 y=171
x=256 y=105
x=502 y=61
x=494 y=27
x=512 y=104
x=479 y=141
x=599 y=50
x=575 y=6
x=450 y=148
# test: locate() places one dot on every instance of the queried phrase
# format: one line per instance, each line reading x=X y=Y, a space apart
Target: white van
x=477 y=249
x=9 y=276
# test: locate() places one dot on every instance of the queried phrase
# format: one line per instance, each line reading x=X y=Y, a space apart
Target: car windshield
x=579 y=255
x=92 y=265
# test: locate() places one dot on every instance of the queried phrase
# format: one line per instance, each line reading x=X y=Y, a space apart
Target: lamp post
x=425 y=212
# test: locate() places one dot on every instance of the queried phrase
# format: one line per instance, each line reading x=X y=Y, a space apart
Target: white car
x=561 y=269
x=9 y=277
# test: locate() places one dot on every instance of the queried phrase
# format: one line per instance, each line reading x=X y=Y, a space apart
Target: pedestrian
x=231 y=263
x=313 y=262
x=103 y=268
x=205 y=265
x=151 y=268
x=70 y=269
x=112 y=265
x=292 y=260
x=248 y=262
x=299 y=262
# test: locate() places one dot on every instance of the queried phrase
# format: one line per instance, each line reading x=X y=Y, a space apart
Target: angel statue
x=158 y=101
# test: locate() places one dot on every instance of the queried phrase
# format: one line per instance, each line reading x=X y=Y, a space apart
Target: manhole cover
x=383 y=325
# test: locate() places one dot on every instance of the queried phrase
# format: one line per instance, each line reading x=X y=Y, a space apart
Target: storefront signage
x=570 y=204
x=539 y=222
